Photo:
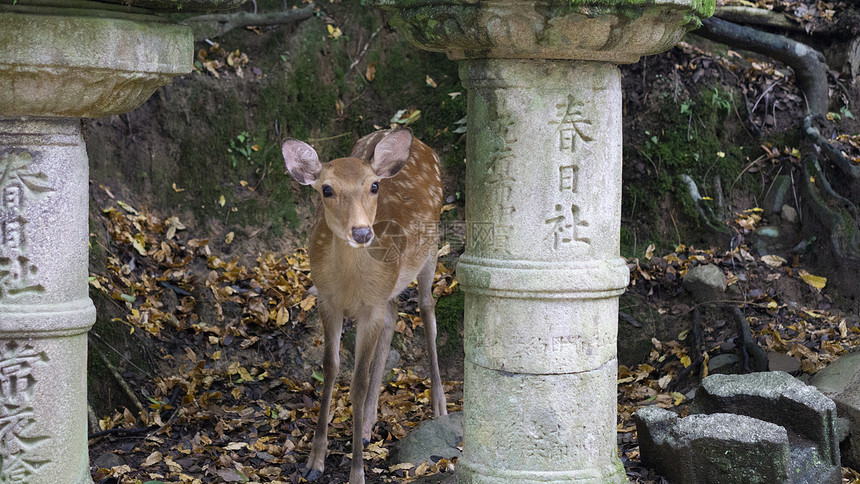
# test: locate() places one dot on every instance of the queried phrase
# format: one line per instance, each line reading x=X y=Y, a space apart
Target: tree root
x=809 y=65
x=121 y=382
x=832 y=206
x=214 y=25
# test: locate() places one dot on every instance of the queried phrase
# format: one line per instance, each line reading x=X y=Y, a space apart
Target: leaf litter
x=225 y=410
x=226 y=403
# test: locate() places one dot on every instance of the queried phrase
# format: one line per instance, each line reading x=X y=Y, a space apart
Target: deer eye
x=327 y=191
x=374 y=187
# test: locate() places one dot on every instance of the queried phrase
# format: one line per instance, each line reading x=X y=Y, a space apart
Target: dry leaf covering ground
x=226 y=407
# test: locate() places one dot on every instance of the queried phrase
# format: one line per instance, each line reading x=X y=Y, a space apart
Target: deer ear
x=391 y=153
x=302 y=161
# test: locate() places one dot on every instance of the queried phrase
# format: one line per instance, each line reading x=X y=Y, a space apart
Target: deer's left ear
x=391 y=153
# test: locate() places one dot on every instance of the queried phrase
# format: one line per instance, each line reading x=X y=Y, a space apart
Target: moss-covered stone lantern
x=541 y=271
x=60 y=61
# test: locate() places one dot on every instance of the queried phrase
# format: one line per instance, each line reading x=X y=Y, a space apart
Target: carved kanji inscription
x=17 y=384
x=20 y=183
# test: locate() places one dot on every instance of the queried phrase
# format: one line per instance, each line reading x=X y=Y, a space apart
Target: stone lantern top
x=130 y=5
x=84 y=58
x=618 y=31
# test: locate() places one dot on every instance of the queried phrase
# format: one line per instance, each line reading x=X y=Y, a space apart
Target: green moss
x=449 y=319
x=698 y=138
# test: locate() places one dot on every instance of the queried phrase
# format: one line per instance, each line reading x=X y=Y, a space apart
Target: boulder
x=706 y=283
x=431 y=439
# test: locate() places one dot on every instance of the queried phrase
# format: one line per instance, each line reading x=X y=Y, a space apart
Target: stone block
x=841 y=382
x=722 y=447
x=734 y=430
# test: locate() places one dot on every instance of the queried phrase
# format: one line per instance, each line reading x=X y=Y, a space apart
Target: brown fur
x=364 y=280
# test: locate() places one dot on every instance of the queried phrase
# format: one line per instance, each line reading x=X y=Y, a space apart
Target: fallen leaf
x=773 y=260
x=817 y=282
x=154 y=458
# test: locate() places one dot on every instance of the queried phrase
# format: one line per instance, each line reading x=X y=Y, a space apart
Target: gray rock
x=771 y=232
x=438 y=437
x=724 y=363
x=778 y=195
x=776 y=397
x=706 y=283
x=841 y=382
x=724 y=448
x=108 y=460
x=756 y=428
x=788 y=213
x=782 y=362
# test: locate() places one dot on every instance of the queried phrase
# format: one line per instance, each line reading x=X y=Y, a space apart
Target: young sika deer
x=375 y=232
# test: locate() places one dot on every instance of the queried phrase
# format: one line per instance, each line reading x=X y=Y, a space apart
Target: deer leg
x=383 y=345
x=332 y=326
x=368 y=328
x=427 y=307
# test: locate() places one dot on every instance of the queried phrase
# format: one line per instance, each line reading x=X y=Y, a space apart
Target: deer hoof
x=312 y=474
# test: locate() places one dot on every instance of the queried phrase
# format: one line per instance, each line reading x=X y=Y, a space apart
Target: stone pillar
x=59 y=61
x=541 y=271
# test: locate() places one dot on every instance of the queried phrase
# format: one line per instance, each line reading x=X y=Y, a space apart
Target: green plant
x=723 y=100
x=241 y=145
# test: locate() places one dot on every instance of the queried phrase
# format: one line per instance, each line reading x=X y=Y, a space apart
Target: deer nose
x=362 y=235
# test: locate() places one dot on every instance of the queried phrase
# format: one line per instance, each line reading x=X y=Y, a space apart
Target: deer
x=374 y=233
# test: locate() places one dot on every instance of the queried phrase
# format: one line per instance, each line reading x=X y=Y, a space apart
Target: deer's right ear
x=301 y=160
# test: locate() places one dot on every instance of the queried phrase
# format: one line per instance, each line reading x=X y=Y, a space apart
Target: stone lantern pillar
x=60 y=61
x=541 y=271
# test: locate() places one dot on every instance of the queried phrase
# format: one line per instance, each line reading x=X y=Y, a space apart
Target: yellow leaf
x=430 y=81
x=154 y=458
x=773 y=260
x=243 y=374
x=222 y=200
x=370 y=72
x=308 y=302
x=282 y=318
x=139 y=243
x=817 y=282
x=333 y=32
x=685 y=360
x=678 y=398
x=128 y=208
x=772 y=305
x=229 y=238
x=649 y=252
